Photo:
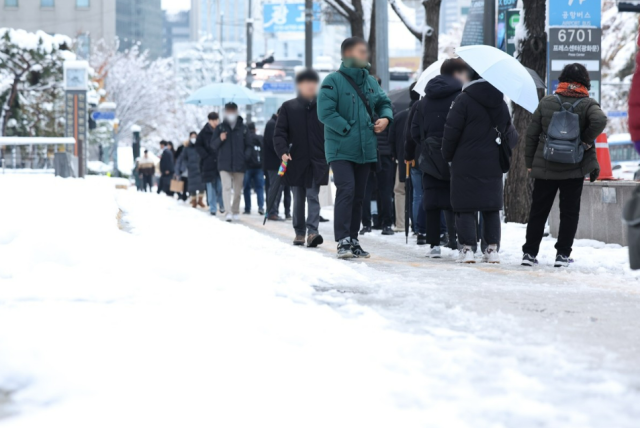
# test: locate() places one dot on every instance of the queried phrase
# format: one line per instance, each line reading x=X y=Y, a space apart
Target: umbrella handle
x=409 y=165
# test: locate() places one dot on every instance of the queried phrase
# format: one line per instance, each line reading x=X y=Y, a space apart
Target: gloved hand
x=594 y=175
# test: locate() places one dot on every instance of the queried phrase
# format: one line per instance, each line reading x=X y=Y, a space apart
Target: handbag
x=177 y=186
x=631 y=216
x=430 y=160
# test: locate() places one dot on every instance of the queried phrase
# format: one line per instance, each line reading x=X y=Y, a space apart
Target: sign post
x=575 y=36
x=504 y=6
x=75 y=102
x=513 y=18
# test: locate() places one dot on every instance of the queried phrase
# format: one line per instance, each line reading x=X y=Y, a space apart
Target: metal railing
x=32 y=153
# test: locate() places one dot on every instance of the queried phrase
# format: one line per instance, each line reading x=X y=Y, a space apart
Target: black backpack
x=562 y=142
x=430 y=160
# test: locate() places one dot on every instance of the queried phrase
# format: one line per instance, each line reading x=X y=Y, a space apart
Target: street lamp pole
x=249 y=79
x=308 y=33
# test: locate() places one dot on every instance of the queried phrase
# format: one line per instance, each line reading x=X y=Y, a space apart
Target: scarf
x=572 y=89
x=355 y=63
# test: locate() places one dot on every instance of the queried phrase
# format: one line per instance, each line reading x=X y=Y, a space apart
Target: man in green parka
x=353 y=108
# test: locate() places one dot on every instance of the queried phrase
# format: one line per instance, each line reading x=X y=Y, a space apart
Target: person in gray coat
x=189 y=163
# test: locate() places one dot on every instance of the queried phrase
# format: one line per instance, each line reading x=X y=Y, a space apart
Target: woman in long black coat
x=469 y=143
x=189 y=161
x=428 y=122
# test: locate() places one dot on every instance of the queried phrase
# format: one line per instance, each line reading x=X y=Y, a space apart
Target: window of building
x=10 y=3
x=82 y=3
x=47 y=3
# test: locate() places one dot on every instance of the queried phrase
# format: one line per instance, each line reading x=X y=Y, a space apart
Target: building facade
x=175 y=29
x=220 y=20
x=140 y=21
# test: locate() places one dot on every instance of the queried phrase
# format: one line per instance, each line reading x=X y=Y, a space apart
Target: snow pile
x=39 y=40
x=128 y=309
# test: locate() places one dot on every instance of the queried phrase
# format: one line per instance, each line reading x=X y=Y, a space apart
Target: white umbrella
x=504 y=72
x=432 y=71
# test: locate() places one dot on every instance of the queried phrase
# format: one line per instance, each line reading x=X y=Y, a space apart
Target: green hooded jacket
x=348 y=131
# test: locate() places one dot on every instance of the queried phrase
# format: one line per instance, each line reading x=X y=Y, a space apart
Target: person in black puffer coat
x=209 y=164
x=271 y=164
x=469 y=144
x=428 y=122
x=189 y=163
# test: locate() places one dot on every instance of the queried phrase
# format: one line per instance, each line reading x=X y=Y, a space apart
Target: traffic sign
x=103 y=115
x=575 y=13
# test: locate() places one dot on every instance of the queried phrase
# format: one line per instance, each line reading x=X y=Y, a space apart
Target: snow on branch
x=404 y=12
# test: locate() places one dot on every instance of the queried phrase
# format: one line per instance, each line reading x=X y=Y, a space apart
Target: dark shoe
x=444 y=239
x=299 y=240
x=260 y=211
x=246 y=212
x=357 y=250
x=529 y=260
x=344 y=249
x=287 y=217
x=213 y=213
x=323 y=220
x=365 y=229
x=562 y=261
x=422 y=239
x=221 y=210
x=314 y=239
x=274 y=217
x=387 y=230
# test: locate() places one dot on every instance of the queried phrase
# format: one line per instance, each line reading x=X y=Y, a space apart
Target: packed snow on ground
x=126 y=309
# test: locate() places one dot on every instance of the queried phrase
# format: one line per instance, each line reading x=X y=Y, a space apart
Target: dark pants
x=147 y=181
x=272 y=175
x=183 y=196
x=418 y=215
x=366 y=202
x=434 y=226
x=253 y=178
x=308 y=197
x=544 y=193
x=385 y=180
x=164 y=184
x=466 y=226
x=351 y=182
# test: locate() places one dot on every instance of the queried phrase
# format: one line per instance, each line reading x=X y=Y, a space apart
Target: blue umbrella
x=218 y=94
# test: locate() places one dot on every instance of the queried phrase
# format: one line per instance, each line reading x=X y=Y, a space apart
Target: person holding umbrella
x=299 y=141
x=353 y=108
x=232 y=142
x=477 y=123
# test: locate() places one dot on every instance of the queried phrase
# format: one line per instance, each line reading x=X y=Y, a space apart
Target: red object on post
x=604 y=159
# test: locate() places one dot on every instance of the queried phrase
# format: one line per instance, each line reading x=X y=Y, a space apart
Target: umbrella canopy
x=400 y=98
x=504 y=72
x=432 y=71
x=538 y=81
x=218 y=94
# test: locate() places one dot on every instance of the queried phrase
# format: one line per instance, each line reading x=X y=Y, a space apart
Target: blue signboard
x=575 y=13
x=618 y=114
x=278 y=87
x=103 y=115
x=288 y=17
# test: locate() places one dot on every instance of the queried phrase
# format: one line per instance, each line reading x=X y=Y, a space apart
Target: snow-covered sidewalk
x=126 y=309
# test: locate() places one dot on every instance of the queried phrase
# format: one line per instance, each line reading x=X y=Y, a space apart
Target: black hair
x=575 y=73
x=170 y=143
x=453 y=65
x=192 y=132
x=379 y=80
x=251 y=126
x=231 y=106
x=163 y=143
x=146 y=151
x=350 y=42
x=473 y=75
x=307 y=75
x=213 y=116
x=413 y=95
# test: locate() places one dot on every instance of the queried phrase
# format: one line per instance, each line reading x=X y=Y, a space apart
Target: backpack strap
x=573 y=106
x=364 y=99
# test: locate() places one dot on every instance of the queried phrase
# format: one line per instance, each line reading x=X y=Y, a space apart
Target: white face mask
x=231 y=117
x=193 y=140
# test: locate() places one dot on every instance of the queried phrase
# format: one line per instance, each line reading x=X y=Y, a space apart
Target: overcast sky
x=174 y=5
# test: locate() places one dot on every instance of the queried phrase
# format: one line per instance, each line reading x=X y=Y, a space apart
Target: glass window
x=82 y=3
x=47 y=3
x=11 y=3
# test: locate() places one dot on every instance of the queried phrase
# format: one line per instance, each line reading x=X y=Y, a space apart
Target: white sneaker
x=228 y=218
x=491 y=255
x=236 y=217
x=435 y=253
x=466 y=255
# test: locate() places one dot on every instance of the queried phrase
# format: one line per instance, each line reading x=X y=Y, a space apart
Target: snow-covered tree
x=427 y=32
x=31 y=80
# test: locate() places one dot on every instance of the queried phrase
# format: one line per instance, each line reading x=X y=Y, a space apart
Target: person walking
x=551 y=176
x=427 y=128
x=418 y=216
x=271 y=164
x=233 y=144
x=146 y=169
x=209 y=164
x=353 y=109
x=299 y=140
x=477 y=118
x=189 y=162
x=167 y=169
x=384 y=176
x=254 y=176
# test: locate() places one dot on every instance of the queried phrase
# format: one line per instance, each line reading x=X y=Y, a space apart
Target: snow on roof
x=27 y=40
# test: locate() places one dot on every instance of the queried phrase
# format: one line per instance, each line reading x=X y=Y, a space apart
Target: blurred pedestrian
x=271 y=165
x=209 y=164
x=299 y=140
x=167 y=169
x=189 y=162
x=565 y=177
x=232 y=143
x=254 y=175
x=146 y=169
x=353 y=108
x=384 y=176
x=427 y=128
x=477 y=118
x=418 y=215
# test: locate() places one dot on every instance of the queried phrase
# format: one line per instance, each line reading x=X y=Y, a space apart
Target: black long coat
x=189 y=160
x=208 y=156
x=270 y=159
x=235 y=150
x=469 y=143
x=300 y=133
x=166 y=162
x=396 y=139
x=441 y=91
